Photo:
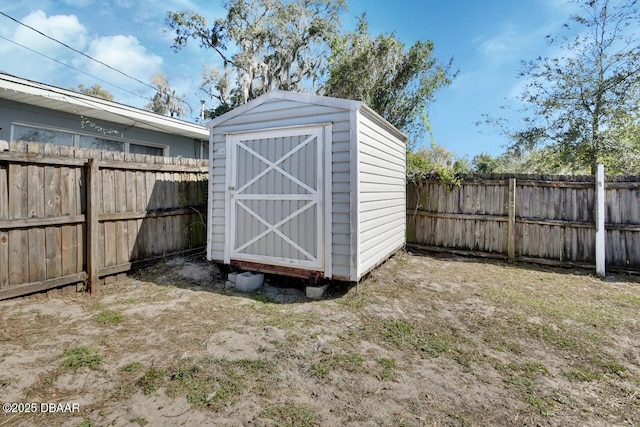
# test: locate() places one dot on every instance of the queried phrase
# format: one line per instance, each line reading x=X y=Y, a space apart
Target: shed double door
x=275 y=197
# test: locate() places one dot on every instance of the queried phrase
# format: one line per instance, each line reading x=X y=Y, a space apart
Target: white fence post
x=600 y=230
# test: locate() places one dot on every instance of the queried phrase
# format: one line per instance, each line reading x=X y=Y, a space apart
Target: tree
x=263 y=45
x=95 y=91
x=165 y=101
x=398 y=83
x=486 y=163
x=580 y=99
x=436 y=161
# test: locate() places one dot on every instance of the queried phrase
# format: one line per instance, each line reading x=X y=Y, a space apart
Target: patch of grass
x=431 y=340
x=140 y=421
x=202 y=384
x=554 y=335
x=354 y=300
x=78 y=357
x=498 y=342
x=521 y=378
x=132 y=367
x=350 y=362
x=285 y=319
x=433 y=344
x=386 y=373
x=96 y=306
x=628 y=300
x=597 y=368
x=584 y=375
x=123 y=391
x=260 y=298
x=608 y=365
x=109 y=317
x=528 y=369
x=215 y=383
x=86 y=423
x=131 y=301
x=151 y=380
x=398 y=333
x=290 y=415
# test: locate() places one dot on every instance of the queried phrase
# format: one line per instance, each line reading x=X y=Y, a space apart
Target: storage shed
x=306 y=186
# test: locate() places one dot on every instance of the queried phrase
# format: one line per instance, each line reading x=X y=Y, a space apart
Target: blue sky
x=487 y=40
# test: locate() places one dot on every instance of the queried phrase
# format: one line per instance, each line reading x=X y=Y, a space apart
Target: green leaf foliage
x=399 y=83
x=583 y=101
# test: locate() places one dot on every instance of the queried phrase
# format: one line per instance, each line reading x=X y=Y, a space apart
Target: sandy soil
x=424 y=341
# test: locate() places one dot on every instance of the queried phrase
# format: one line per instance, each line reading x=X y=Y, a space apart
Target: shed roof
x=41 y=95
x=273 y=95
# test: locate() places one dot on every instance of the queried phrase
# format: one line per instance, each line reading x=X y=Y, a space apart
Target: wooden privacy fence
x=544 y=219
x=71 y=216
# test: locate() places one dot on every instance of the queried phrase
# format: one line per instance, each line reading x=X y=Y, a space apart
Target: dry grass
x=424 y=340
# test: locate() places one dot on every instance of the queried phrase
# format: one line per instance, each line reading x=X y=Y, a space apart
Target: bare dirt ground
x=426 y=340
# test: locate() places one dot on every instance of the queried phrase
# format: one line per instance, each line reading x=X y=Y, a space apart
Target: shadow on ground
x=197 y=274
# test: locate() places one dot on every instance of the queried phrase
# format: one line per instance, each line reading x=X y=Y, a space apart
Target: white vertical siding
x=277 y=113
x=381 y=192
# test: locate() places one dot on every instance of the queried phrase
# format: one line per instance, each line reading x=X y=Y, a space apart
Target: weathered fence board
x=546 y=219
x=55 y=201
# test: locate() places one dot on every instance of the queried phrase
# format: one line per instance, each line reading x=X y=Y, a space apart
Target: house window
x=145 y=149
x=22 y=132
x=100 y=144
x=30 y=134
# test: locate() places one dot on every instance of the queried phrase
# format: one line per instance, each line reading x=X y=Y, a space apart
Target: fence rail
x=534 y=218
x=71 y=215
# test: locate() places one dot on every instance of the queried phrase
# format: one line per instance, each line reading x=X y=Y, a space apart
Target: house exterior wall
x=381 y=192
x=13 y=112
x=278 y=113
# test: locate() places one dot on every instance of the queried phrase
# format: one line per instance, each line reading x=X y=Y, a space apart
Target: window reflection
x=33 y=134
x=144 y=149
x=29 y=134
x=101 y=144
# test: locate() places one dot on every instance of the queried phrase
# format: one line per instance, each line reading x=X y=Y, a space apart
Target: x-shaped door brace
x=274 y=228
x=274 y=165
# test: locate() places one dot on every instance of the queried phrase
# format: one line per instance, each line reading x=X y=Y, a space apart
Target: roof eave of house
x=39 y=94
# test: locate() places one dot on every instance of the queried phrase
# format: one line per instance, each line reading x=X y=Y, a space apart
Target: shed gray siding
x=277 y=113
x=14 y=112
x=381 y=192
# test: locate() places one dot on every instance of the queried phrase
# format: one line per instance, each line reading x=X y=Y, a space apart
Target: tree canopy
x=398 y=83
x=584 y=100
x=301 y=46
x=95 y=90
x=165 y=101
x=263 y=44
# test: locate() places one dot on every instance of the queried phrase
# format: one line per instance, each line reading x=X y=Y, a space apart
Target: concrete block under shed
x=315 y=292
x=249 y=281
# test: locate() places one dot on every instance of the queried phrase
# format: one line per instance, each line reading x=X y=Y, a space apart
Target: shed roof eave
x=345 y=104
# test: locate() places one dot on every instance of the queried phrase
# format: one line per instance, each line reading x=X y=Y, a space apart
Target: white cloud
x=499 y=44
x=65 y=28
x=18 y=54
x=124 y=53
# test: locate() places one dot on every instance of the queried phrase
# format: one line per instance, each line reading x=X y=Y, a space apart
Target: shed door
x=275 y=197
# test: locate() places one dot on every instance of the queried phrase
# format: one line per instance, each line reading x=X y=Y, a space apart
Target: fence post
x=92 y=225
x=600 y=230
x=511 y=225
